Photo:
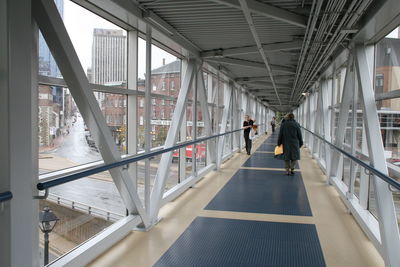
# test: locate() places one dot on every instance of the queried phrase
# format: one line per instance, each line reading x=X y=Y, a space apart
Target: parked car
x=200 y=155
x=89 y=139
x=395 y=161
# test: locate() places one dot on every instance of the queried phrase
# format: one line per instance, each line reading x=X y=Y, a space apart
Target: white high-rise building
x=108 y=57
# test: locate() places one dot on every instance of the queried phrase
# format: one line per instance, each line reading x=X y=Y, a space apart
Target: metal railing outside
x=82 y=207
x=363 y=164
x=131 y=159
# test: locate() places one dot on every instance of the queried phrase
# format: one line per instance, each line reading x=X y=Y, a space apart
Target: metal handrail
x=5 y=196
x=370 y=168
x=75 y=176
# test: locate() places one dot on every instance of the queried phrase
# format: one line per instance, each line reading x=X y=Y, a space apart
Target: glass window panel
x=201 y=155
x=64 y=139
x=84 y=207
x=141 y=64
x=115 y=111
x=101 y=46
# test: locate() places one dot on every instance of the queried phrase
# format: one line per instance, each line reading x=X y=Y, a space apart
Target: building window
x=154 y=87
x=379 y=80
x=172 y=85
x=141 y=102
x=154 y=114
x=162 y=114
x=153 y=101
x=141 y=120
x=163 y=86
x=163 y=102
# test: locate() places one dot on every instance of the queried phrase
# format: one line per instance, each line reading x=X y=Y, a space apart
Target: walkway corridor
x=253 y=215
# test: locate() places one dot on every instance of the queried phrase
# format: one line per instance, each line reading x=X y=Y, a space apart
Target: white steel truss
x=315 y=114
x=54 y=32
x=125 y=179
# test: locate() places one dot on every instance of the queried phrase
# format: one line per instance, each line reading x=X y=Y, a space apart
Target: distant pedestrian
x=273 y=124
x=247 y=124
x=291 y=139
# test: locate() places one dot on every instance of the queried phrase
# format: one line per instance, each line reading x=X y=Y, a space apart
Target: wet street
x=98 y=193
x=75 y=147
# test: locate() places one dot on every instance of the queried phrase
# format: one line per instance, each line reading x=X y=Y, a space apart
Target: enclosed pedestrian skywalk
x=252 y=215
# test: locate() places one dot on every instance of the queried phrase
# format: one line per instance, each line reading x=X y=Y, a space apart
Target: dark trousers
x=273 y=128
x=290 y=164
x=248 y=143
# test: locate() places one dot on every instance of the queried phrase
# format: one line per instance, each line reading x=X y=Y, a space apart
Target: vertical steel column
x=131 y=116
x=194 y=122
x=231 y=115
x=147 y=115
x=5 y=182
x=18 y=138
x=183 y=130
x=308 y=121
x=318 y=118
x=54 y=32
x=326 y=126
x=387 y=216
x=239 y=117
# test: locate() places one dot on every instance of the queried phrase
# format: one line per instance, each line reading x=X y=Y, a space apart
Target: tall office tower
x=47 y=64
x=109 y=57
x=109 y=67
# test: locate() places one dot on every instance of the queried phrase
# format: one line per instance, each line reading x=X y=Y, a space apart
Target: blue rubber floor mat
x=226 y=242
x=265 y=160
x=263 y=191
x=266 y=147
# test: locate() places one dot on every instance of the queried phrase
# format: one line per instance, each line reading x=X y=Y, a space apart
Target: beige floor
x=343 y=242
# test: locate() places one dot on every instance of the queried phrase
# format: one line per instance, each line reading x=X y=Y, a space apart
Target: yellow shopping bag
x=278 y=150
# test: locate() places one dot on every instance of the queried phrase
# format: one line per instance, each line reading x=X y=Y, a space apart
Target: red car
x=201 y=153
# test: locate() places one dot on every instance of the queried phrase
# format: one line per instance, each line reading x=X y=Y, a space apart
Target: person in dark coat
x=291 y=139
x=273 y=124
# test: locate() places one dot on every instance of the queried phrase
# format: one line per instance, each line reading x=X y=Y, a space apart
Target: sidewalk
x=57 y=142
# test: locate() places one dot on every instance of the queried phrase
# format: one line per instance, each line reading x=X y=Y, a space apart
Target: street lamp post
x=47 y=222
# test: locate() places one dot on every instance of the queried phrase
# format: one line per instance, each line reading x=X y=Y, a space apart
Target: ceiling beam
x=267 y=84
x=269 y=91
x=265 y=78
x=268 y=11
x=246 y=12
x=253 y=64
x=282 y=46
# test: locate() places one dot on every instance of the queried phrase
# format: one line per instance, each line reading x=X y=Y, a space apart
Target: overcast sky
x=80 y=24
